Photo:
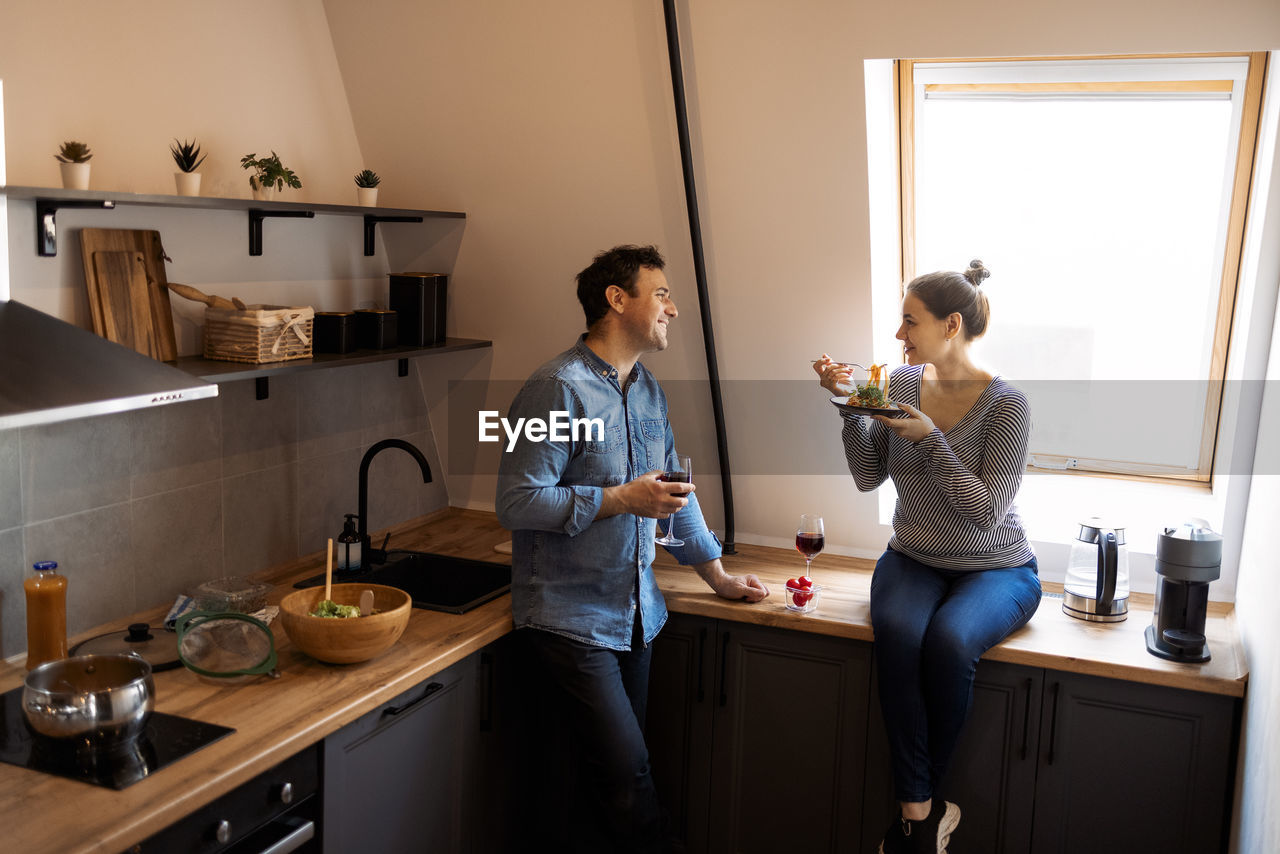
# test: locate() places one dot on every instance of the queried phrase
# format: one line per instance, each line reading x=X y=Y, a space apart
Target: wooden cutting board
x=128 y=291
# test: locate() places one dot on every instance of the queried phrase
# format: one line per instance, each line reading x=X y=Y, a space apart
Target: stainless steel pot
x=99 y=697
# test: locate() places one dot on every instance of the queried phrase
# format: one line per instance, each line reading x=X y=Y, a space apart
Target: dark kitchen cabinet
x=678 y=725
x=1131 y=767
x=992 y=774
x=1060 y=763
x=757 y=736
x=405 y=777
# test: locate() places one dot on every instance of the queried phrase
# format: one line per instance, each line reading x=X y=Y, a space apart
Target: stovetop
x=166 y=739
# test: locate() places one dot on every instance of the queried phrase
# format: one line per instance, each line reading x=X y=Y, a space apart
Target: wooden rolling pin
x=208 y=299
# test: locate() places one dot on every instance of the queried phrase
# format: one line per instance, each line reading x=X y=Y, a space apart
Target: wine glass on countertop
x=810 y=539
x=682 y=473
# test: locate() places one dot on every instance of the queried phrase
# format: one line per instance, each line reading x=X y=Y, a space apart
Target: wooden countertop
x=273 y=718
x=1051 y=639
x=276 y=718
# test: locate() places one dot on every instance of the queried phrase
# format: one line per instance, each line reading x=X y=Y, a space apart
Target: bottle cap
x=42 y=565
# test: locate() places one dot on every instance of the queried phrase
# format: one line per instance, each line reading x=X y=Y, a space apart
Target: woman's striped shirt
x=955 y=489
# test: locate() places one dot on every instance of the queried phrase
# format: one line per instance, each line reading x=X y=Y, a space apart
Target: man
x=582 y=512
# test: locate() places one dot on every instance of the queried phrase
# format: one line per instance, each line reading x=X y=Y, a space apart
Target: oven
x=277 y=812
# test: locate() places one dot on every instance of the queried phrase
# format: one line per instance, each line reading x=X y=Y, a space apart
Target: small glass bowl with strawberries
x=802 y=594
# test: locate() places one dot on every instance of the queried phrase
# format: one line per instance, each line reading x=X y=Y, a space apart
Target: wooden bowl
x=345 y=641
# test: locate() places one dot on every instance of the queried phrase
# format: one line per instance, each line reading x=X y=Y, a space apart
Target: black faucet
x=369 y=555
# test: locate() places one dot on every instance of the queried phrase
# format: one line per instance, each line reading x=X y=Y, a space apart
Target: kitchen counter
x=1051 y=639
x=276 y=718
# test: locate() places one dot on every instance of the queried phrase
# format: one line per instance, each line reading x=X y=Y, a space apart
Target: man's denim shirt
x=574 y=574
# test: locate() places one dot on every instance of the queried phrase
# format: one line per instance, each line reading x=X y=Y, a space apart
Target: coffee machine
x=1188 y=557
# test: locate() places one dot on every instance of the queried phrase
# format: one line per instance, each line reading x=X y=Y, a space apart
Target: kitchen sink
x=435 y=582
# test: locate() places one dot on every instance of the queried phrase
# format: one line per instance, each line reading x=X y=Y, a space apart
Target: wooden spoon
x=200 y=296
x=328 y=572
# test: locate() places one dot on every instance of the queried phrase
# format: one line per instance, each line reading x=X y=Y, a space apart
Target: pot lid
x=157 y=646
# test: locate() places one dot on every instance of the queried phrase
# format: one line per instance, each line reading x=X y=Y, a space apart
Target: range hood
x=51 y=371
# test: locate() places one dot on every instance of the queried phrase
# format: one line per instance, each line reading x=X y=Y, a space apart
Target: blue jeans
x=602 y=695
x=931 y=627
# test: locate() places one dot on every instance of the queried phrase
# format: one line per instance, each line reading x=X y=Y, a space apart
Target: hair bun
x=976 y=273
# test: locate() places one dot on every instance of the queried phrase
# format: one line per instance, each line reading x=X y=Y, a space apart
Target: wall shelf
x=225 y=372
x=49 y=199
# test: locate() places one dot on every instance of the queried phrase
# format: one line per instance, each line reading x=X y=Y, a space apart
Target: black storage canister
x=335 y=332
x=419 y=299
x=377 y=328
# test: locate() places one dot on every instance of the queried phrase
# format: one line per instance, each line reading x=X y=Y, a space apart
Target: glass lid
x=158 y=646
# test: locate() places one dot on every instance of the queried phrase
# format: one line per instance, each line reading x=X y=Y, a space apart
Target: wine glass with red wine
x=682 y=473
x=810 y=539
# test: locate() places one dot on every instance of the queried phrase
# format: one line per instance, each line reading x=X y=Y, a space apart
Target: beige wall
x=551 y=124
x=240 y=76
x=1257 y=826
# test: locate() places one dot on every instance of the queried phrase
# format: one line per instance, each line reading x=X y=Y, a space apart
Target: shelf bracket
x=47 y=221
x=402 y=367
x=370 y=220
x=257 y=215
x=261 y=388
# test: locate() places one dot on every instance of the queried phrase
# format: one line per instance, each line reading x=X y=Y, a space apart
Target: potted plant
x=367 y=182
x=269 y=175
x=188 y=157
x=73 y=160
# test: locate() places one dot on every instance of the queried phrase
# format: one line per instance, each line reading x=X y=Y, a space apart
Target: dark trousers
x=931 y=627
x=597 y=702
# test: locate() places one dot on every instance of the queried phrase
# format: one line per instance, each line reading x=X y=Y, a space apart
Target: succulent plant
x=269 y=171
x=367 y=178
x=187 y=155
x=73 y=152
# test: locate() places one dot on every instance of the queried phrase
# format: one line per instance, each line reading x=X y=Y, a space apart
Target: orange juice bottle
x=46 y=614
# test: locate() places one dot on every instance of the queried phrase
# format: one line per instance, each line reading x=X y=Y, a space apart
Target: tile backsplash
x=138 y=507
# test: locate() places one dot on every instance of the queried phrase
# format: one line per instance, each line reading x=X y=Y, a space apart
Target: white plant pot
x=188 y=183
x=368 y=196
x=75 y=176
x=264 y=194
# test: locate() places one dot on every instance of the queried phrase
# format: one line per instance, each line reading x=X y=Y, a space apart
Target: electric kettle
x=1097 y=585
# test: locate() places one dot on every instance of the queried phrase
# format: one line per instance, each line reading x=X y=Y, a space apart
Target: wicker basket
x=258 y=334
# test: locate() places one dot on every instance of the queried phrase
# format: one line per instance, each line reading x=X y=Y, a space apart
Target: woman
x=958 y=575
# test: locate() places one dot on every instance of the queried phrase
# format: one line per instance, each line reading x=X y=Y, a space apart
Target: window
x=1108 y=197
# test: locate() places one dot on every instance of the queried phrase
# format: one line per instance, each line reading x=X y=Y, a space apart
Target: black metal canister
x=377 y=328
x=335 y=332
x=419 y=299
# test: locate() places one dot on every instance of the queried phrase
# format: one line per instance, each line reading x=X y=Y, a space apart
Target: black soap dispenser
x=347 y=557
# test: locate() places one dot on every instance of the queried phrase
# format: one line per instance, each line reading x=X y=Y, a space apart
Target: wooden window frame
x=1237 y=223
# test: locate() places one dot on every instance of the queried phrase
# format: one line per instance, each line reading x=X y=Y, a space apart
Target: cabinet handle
x=300 y=832
x=702 y=648
x=1026 y=721
x=486 y=684
x=1053 y=722
x=431 y=689
x=724 y=658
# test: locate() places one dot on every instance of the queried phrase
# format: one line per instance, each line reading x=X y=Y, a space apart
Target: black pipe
x=699 y=267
